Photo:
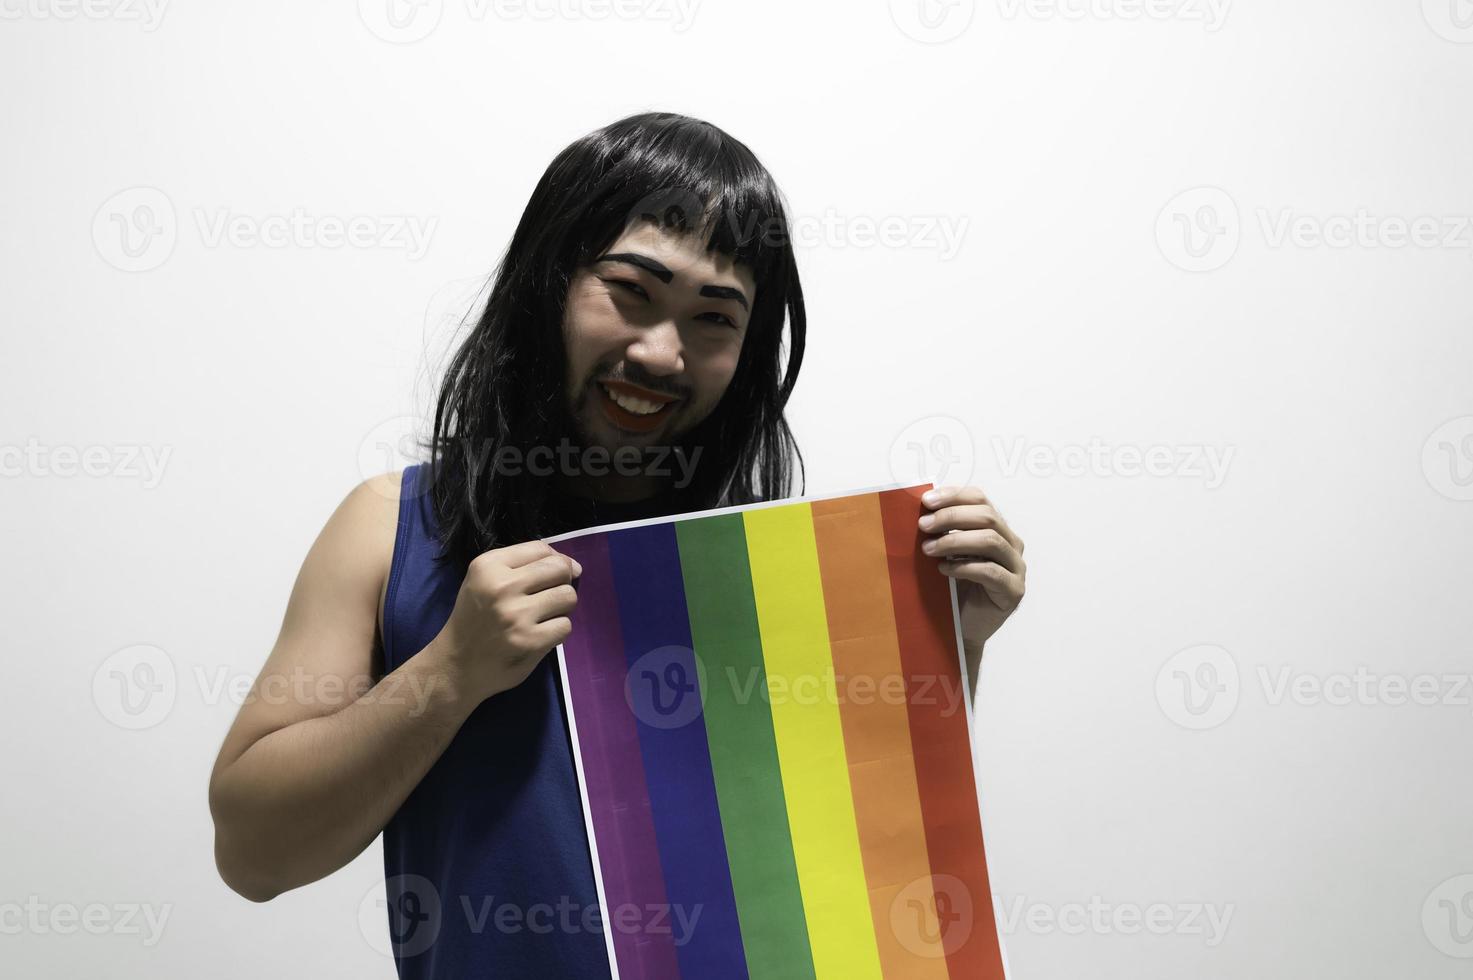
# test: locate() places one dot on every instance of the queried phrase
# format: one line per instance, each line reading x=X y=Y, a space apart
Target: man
x=638 y=314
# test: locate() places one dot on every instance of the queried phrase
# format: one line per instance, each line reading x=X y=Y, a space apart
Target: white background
x=1076 y=147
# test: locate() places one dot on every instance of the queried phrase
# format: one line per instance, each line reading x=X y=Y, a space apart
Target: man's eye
x=633 y=287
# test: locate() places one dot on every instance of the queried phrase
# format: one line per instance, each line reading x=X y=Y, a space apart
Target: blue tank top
x=486 y=863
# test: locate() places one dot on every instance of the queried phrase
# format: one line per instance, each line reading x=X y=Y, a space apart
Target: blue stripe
x=677 y=760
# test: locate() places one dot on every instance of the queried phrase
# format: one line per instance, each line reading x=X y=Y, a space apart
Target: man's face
x=653 y=328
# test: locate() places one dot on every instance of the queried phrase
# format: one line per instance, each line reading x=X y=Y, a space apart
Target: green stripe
x=749 y=786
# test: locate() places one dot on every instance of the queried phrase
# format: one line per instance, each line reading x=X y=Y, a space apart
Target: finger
x=528 y=552
x=1003 y=587
x=552 y=632
x=969 y=517
x=517 y=555
x=560 y=600
x=949 y=496
x=544 y=573
x=987 y=545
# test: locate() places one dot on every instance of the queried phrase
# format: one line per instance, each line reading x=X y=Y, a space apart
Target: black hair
x=504 y=386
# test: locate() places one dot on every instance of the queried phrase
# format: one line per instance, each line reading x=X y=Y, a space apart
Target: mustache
x=644 y=381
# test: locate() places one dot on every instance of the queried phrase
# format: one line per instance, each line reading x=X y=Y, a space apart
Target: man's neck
x=613 y=488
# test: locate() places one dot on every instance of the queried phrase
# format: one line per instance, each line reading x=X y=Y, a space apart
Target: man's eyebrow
x=665 y=276
x=643 y=261
x=726 y=292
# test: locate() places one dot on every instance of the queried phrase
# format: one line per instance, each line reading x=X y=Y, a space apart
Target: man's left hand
x=976 y=547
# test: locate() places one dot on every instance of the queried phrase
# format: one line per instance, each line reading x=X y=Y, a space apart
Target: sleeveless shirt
x=486 y=863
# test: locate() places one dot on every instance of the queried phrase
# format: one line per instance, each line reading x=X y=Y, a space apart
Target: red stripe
x=942 y=744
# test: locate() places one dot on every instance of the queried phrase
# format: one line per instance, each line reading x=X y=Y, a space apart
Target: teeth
x=637 y=406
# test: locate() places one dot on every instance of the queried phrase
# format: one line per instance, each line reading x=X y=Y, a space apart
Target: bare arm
x=973 y=653
x=320 y=756
x=323 y=753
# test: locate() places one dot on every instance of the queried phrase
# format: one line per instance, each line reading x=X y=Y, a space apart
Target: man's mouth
x=633 y=408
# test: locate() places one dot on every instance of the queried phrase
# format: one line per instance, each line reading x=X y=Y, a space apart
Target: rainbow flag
x=772 y=734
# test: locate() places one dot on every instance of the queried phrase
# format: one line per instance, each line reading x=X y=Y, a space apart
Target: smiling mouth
x=633 y=408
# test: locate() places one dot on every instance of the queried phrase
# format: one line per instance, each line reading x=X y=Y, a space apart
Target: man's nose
x=658 y=349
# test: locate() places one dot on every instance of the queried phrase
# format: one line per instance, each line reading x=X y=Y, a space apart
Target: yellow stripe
x=810 y=741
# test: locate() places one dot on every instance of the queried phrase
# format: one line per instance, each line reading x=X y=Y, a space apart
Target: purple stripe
x=613 y=768
x=664 y=692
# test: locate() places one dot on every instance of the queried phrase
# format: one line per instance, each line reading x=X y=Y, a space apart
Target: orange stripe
x=870 y=685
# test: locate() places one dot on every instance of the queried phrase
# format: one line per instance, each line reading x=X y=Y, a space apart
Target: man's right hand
x=512 y=608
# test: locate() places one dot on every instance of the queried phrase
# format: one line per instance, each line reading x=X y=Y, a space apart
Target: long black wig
x=504 y=385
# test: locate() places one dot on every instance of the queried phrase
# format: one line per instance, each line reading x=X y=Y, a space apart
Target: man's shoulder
x=385 y=486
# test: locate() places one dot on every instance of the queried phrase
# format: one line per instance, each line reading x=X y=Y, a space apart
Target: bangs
x=690 y=178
